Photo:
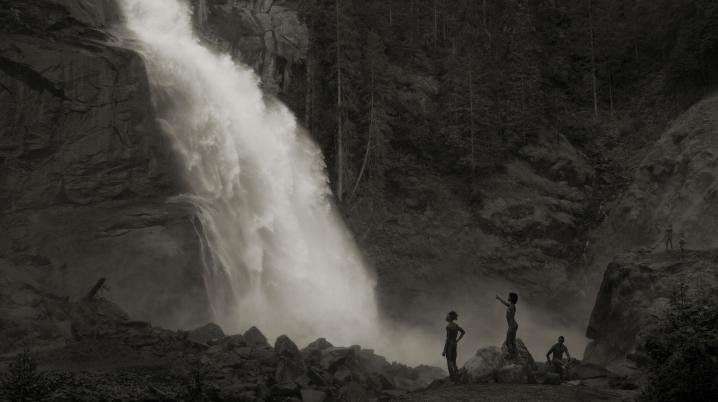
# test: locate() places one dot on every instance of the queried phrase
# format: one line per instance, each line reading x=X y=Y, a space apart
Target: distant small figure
x=450 y=346
x=669 y=236
x=513 y=325
x=682 y=244
x=558 y=363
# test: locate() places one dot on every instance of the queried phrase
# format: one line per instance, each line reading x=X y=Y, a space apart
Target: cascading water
x=279 y=257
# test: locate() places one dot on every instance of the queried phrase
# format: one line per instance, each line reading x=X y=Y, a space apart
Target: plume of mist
x=276 y=255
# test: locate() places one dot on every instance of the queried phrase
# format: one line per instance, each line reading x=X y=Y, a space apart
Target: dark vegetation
x=683 y=351
x=23 y=382
x=460 y=85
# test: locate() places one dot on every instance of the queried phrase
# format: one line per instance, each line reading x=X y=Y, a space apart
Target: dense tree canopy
x=462 y=84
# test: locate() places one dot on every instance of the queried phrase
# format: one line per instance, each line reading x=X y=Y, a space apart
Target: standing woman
x=513 y=325
x=452 y=330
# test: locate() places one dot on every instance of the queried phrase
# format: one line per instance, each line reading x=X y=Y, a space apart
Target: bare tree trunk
x=368 y=139
x=391 y=16
x=593 y=59
x=435 y=22
x=610 y=91
x=471 y=124
x=484 y=15
x=340 y=134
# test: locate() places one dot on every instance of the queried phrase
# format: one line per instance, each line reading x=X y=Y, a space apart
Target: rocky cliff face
x=674 y=185
x=86 y=178
x=265 y=34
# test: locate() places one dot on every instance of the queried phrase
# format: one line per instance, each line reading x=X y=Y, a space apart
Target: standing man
x=513 y=325
x=558 y=363
x=669 y=236
x=450 y=346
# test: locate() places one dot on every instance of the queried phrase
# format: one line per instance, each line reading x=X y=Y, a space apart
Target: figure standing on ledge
x=513 y=325
x=558 y=363
x=669 y=236
x=450 y=346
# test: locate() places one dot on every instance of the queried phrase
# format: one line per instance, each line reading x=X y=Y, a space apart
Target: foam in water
x=278 y=257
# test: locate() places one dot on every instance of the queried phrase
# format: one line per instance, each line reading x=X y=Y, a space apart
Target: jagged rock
x=290 y=365
x=255 y=337
x=333 y=357
x=343 y=374
x=206 y=334
x=313 y=351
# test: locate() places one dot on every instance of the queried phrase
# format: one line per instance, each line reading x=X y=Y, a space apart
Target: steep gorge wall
x=86 y=177
x=676 y=184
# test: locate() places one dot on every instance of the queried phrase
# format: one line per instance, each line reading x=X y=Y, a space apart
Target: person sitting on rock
x=558 y=363
x=450 y=350
x=669 y=236
x=513 y=325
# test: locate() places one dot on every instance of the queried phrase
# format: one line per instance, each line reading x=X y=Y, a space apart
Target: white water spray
x=280 y=258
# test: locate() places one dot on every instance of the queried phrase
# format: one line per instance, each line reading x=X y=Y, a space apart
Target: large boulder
x=635 y=289
x=490 y=364
x=481 y=367
x=290 y=364
x=206 y=334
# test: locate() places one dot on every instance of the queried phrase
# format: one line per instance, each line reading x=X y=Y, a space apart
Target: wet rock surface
x=87 y=178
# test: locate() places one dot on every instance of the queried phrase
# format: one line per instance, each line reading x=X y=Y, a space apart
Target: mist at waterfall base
x=276 y=254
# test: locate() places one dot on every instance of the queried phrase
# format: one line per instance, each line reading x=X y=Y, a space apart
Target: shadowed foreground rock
x=636 y=288
x=105 y=355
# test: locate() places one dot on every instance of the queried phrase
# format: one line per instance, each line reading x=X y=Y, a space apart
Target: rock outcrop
x=491 y=365
x=635 y=290
x=675 y=184
x=86 y=177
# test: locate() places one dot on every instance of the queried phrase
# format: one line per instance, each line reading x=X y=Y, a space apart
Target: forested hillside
x=462 y=84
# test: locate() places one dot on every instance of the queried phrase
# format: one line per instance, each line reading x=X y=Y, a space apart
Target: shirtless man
x=557 y=351
x=452 y=330
x=513 y=325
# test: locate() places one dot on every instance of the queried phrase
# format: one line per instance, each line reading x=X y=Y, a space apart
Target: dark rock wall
x=85 y=175
x=635 y=291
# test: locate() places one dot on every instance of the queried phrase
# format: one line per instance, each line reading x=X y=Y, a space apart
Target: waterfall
x=277 y=254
